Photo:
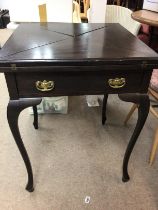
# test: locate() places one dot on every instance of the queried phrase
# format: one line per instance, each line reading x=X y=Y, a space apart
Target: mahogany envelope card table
x=57 y=59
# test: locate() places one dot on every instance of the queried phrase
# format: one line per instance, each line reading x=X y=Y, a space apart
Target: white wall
x=27 y=10
x=97 y=11
x=59 y=10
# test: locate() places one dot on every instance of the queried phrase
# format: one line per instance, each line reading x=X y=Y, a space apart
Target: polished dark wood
x=105 y=99
x=35 y=113
x=12 y=86
x=143 y=109
x=80 y=59
x=81 y=82
x=13 y=111
x=31 y=45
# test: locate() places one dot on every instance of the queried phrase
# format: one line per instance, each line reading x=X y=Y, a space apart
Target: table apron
x=80 y=83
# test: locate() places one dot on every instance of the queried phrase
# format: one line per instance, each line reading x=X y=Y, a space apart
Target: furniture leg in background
x=154 y=148
x=35 y=114
x=13 y=111
x=104 y=108
x=133 y=108
x=143 y=109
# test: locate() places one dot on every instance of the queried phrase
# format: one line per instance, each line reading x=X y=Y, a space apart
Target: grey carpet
x=74 y=156
x=4 y=36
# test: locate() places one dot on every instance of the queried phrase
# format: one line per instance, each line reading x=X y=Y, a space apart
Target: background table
x=149 y=18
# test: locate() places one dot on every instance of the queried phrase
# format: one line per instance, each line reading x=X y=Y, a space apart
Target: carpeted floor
x=74 y=156
x=4 y=36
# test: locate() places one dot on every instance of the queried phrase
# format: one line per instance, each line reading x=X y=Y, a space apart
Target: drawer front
x=70 y=83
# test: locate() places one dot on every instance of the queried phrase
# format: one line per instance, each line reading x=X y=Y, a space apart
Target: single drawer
x=77 y=83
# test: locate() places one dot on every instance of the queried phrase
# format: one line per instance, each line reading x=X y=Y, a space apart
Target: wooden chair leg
x=153 y=112
x=130 y=113
x=118 y=2
x=154 y=148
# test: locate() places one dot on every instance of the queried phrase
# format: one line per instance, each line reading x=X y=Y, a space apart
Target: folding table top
x=72 y=42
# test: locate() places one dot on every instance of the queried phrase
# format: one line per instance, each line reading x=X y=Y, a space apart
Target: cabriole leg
x=13 y=111
x=143 y=109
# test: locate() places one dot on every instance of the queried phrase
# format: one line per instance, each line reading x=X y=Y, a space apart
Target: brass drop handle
x=45 y=86
x=117 y=82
